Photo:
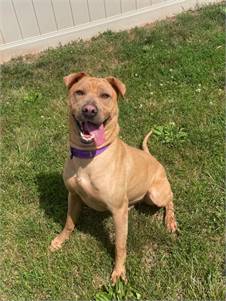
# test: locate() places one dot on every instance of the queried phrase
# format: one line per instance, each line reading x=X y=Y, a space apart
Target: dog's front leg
x=74 y=208
x=120 y=217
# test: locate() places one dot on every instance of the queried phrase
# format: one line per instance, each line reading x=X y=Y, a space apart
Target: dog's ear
x=119 y=87
x=73 y=78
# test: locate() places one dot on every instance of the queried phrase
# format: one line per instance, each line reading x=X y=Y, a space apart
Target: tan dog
x=104 y=172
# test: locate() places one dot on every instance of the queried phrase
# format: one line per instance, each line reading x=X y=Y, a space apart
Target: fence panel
x=112 y=7
x=63 y=13
x=80 y=11
x=96 y=9
x=143 y=3
x=9 y=23
x=45 y=15
x=26 y=18
x=128 y=5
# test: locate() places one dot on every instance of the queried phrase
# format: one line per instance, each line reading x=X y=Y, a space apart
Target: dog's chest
x=89 y=188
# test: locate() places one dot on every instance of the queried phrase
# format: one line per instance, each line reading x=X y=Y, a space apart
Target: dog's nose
x=89 y=111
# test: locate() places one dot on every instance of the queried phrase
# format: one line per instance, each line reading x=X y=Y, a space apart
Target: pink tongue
x=97 y=131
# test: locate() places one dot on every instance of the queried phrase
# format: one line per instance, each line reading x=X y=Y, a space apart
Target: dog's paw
x=56 y=243
x=171 y=224
x=117 y=274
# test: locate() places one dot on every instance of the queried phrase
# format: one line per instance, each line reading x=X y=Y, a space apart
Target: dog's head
x=93 y=108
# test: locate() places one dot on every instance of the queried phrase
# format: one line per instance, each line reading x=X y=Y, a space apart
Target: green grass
x=174 y=77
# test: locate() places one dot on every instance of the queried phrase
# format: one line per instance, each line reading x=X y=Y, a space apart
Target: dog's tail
x=145 y=142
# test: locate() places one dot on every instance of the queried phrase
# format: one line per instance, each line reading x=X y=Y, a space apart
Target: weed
x=170 y=134
x=120 y=291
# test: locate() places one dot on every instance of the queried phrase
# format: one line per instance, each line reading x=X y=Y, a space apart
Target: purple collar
x=86 y=154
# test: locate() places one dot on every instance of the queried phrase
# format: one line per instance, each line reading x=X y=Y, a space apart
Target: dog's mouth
x=91 y=132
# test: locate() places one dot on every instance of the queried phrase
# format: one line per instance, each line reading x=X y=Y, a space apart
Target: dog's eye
x=80 y=92
x=105 y=95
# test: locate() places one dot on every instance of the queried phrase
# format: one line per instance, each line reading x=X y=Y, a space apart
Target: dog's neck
x=111 y=132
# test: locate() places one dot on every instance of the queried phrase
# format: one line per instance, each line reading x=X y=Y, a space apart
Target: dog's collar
x=86 y=154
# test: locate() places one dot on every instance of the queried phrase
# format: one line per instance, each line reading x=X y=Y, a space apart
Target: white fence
x=28 y=26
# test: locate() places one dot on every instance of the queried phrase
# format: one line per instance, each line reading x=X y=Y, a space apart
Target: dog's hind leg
x=74 y=208
x=160 y=194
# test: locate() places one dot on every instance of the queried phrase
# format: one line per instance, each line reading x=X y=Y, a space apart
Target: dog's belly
x=134 y=198
x=137 y=187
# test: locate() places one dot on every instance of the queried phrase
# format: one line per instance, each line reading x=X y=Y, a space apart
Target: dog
x=104 y=172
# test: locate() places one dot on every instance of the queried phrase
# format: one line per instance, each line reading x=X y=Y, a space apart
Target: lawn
x=173 y=71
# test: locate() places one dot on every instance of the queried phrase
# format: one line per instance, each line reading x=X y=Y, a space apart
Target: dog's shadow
x=53 y=200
